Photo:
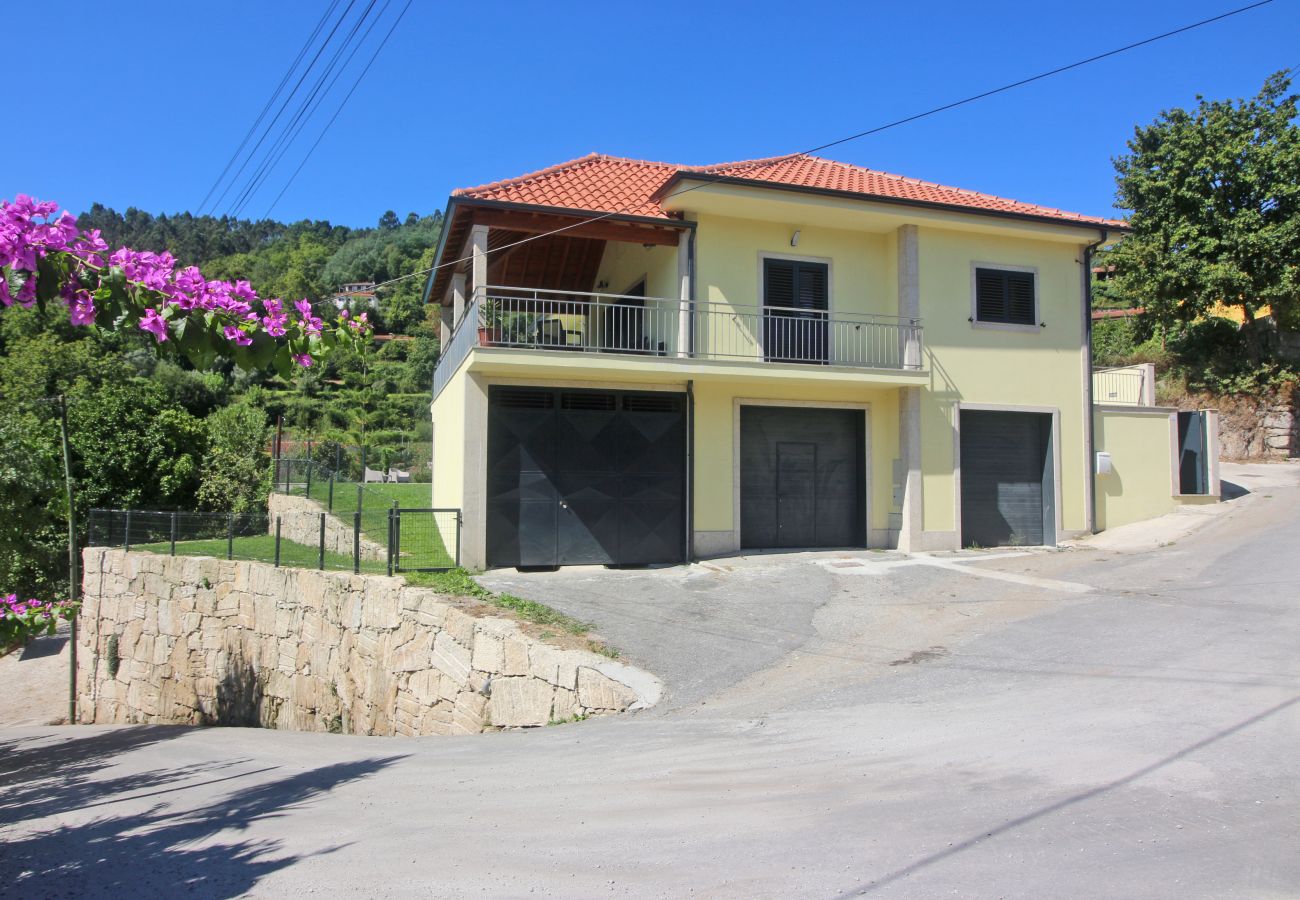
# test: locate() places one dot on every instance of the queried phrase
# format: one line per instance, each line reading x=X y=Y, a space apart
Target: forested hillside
x=155 y=434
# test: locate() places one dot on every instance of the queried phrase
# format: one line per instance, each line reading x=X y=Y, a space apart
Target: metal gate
x=802 y=478
x=1007 y=494
x=1193 y=456
x=423 y=540
x=585 y=477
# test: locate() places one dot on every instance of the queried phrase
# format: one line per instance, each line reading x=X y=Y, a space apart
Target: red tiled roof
x=595 y=183
x=611 y=184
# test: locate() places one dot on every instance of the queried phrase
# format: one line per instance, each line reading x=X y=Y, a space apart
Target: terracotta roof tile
x=611 y=184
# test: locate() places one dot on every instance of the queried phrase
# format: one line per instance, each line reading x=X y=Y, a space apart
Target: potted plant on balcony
x=490 y=320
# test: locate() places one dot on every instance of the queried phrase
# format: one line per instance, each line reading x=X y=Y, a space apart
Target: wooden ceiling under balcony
x=567 y=261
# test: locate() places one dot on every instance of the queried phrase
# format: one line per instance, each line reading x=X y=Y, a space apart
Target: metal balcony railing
x=567 y=321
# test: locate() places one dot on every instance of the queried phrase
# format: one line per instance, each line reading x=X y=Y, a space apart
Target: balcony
x=531 y=320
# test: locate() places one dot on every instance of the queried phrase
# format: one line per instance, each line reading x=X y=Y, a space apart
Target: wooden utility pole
x=74 y=582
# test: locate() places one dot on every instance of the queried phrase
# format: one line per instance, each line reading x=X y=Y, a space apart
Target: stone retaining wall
x=300 y=523
x=196 y=640
x=1272 y=433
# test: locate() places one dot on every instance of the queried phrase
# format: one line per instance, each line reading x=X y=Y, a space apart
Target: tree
x=388 y=221
x=236 y=474
x=1215 y=200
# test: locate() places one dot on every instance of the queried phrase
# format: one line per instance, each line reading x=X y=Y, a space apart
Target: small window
x=1005 y=297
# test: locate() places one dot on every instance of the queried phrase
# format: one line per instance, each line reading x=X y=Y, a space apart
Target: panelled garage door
x=585 y=477
x=1007 y=497
x=801 y=477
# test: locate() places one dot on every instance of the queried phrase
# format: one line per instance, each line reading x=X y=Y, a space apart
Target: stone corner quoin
x=197 y=640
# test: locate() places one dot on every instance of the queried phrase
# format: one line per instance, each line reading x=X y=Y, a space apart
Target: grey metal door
x=1006 y=470
x=802 y=482
x=796 y=494
x=583 y=477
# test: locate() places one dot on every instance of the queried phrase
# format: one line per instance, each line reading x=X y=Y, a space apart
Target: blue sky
x=143 y=107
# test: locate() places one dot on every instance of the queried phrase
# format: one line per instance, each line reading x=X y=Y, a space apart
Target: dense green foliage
x=154 y=433
x=1215 y=200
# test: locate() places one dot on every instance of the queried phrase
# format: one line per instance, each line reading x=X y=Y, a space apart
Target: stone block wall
x=1254 y=430
x=196 y=640
x=300 y=523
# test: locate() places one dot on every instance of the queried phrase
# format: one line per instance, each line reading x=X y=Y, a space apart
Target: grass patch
x=459 y=583
x=603 y=649
x=569 y=720
x=261 y=548
x=421 y=542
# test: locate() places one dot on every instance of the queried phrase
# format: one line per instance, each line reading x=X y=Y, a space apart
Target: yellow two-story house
x=650 y=363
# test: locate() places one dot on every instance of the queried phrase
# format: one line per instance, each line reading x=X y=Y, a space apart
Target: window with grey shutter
x=1004 y=297
x=791 y=284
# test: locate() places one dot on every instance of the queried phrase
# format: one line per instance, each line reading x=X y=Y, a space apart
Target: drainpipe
x=1090 y=501
x=690 y=470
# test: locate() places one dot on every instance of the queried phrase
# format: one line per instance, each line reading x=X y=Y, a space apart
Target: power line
x=288 y=98
x=342 y=104
x=306 y=108
x=267 y=106
x=285 y=144
x=861 y=134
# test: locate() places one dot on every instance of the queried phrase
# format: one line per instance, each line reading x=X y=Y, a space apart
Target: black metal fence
x=424 y=540
x=405 y=540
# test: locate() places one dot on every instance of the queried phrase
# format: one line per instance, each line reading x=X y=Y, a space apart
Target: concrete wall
x=624 y=264
x=300 y=522
x=1142 y=443
x=196 y=640
x=1037 y=369
x=729 y=252
x=716 y=481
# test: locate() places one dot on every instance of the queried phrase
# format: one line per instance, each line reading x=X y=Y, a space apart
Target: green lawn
x=261 y=548
x=422 y=543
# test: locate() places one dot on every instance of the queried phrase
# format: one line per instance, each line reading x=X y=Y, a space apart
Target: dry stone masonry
x=300 y=523
x=196 y=640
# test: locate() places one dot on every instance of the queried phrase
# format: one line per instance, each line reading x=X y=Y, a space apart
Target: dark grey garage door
x=1007 y=496
x=585 y=477
x=801 y=477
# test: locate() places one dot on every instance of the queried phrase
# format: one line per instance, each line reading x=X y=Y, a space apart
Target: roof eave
x=442 y=246
x=673 y=222
x=661 y=194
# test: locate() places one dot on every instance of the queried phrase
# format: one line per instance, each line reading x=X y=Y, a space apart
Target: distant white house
x=349 y=294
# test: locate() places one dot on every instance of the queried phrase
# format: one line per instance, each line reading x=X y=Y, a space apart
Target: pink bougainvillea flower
x=237 y=334
x=154 y=323
x=303 y=359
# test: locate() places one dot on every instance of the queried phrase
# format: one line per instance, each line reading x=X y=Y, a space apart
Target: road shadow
x=41 y=647
x=160 y=850
x=1229 y=490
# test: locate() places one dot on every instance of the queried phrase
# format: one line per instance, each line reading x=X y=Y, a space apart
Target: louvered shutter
x=1020 y=298
x=1004 y=297
x=811 y=285
x=778 y=287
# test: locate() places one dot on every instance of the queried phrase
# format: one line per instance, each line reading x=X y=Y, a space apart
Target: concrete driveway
x=1112 y=721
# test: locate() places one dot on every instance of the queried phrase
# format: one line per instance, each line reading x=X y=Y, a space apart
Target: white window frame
x=1005 y=326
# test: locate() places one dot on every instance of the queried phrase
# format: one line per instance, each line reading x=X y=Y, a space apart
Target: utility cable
x=267 y=106
x=342 y=104
x=345 y=53
x=288 y=98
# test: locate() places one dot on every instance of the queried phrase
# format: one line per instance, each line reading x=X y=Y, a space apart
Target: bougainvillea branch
x=45 y=257
x=22 y=620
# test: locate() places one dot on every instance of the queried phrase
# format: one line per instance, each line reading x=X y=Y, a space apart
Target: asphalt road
x=1096 y=722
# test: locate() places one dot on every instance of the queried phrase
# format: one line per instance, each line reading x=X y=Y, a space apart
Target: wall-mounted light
x=794 y=238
